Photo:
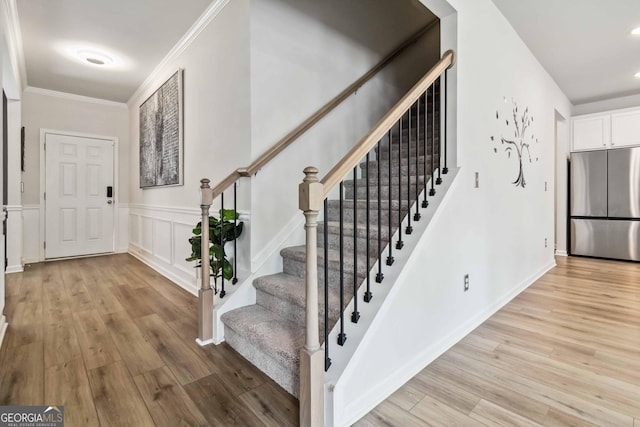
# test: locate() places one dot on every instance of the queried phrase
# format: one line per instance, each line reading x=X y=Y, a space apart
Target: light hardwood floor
x=113 y=341
x=565 y=352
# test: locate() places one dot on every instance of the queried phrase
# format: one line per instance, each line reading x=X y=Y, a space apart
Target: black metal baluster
x=439 y=179
x=342 y=337
x=399 y=243
x=417 y=216
x=368 y=295
x=222 y=291
x=445 y=170
x=379 y=276
x=409 y=228
x=327 y=360
x=425 y=202
x=235 y=236
x=432 y=192
x=390 y=258
x=355 y=315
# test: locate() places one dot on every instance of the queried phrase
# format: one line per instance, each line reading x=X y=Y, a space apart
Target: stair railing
x=313 y=195
x=209 y=194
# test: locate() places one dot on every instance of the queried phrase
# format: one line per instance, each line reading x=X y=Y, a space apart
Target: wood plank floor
x=565 y=352
x=114 y=342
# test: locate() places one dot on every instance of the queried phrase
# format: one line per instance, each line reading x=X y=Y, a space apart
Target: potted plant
x=221 y=231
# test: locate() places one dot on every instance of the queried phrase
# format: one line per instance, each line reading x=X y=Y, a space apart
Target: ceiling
x=136 y=34
x=585 y=45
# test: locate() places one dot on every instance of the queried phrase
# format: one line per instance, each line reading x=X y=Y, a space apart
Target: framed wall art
x=161 y=130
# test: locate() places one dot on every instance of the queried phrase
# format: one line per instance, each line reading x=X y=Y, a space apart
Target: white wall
x=53 y=110
x=606 y=105
x=494 y=233
x=303 y=53
x=216 y=140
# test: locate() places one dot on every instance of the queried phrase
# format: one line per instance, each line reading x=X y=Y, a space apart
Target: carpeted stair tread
x=292 y=290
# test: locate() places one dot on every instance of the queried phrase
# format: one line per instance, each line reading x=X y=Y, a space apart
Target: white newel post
x=311 y=356
x=205 y=295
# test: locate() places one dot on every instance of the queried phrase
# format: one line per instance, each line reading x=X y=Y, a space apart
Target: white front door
x=79 y=210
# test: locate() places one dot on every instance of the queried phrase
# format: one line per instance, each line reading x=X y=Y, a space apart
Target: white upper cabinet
x=611 y=129
x=591 y=132
x=625 y=128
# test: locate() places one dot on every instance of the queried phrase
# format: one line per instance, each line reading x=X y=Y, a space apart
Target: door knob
x=110 y=201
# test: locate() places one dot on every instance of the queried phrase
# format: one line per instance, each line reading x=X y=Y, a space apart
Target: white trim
x=561 y=253
x=3 y=327
x=43 y=181
x=203 y=21
x=189 y=287
x=404 y=373
x=74 y=97
x=14 y=43
x=167 y=209
x=205 y=342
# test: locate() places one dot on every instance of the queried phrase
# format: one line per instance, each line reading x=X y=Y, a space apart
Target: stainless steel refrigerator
x=605 y=203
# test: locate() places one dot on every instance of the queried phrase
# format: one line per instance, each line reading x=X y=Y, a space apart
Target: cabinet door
x=625 y=128
x=591 y=133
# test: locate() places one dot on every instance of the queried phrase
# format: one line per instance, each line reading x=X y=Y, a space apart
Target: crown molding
x=14 y=42
x=74 y=97
x=203 y=21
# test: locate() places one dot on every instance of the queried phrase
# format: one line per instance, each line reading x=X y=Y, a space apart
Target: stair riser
x=296 y=313
x=394 y=172
x=287 y=376
x=384 y=192
x=404 y=154
x=373 y=181
x=334 y=243
x=361 y=215
x=297 y=268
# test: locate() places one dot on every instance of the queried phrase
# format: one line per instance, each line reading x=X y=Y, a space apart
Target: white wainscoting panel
x=158 y=236
x=14 y=239
x=122 y=230
x=31 y=239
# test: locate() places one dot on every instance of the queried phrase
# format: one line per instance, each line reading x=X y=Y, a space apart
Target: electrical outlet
x=477 y=179
x=545 y=242
x=545 y=186
x=466 y=282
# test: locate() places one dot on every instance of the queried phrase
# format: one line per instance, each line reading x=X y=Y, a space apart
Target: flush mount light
x=635 y=31
x=637 y=75
x=95 y=58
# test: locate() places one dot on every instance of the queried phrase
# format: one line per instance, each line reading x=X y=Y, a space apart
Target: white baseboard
x=14 y=269
x=187 y=285
x=204 y=343
x=3 y=328
x=561 y=253
x=369 y=400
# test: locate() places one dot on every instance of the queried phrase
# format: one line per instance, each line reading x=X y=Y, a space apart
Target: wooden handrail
x=266 y=157
x=366 y=144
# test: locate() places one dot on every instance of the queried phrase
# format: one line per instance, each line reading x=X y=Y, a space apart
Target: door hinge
x=45 y=195
x=44 y=245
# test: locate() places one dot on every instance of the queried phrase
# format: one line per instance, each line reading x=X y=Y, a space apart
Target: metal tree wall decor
x=516 y=139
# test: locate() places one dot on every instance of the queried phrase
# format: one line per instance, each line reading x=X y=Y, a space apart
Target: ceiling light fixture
x=95 y=58
x=635 y=31
x=637 y=75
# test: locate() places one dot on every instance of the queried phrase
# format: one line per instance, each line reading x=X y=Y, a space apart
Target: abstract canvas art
x=161 y=135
